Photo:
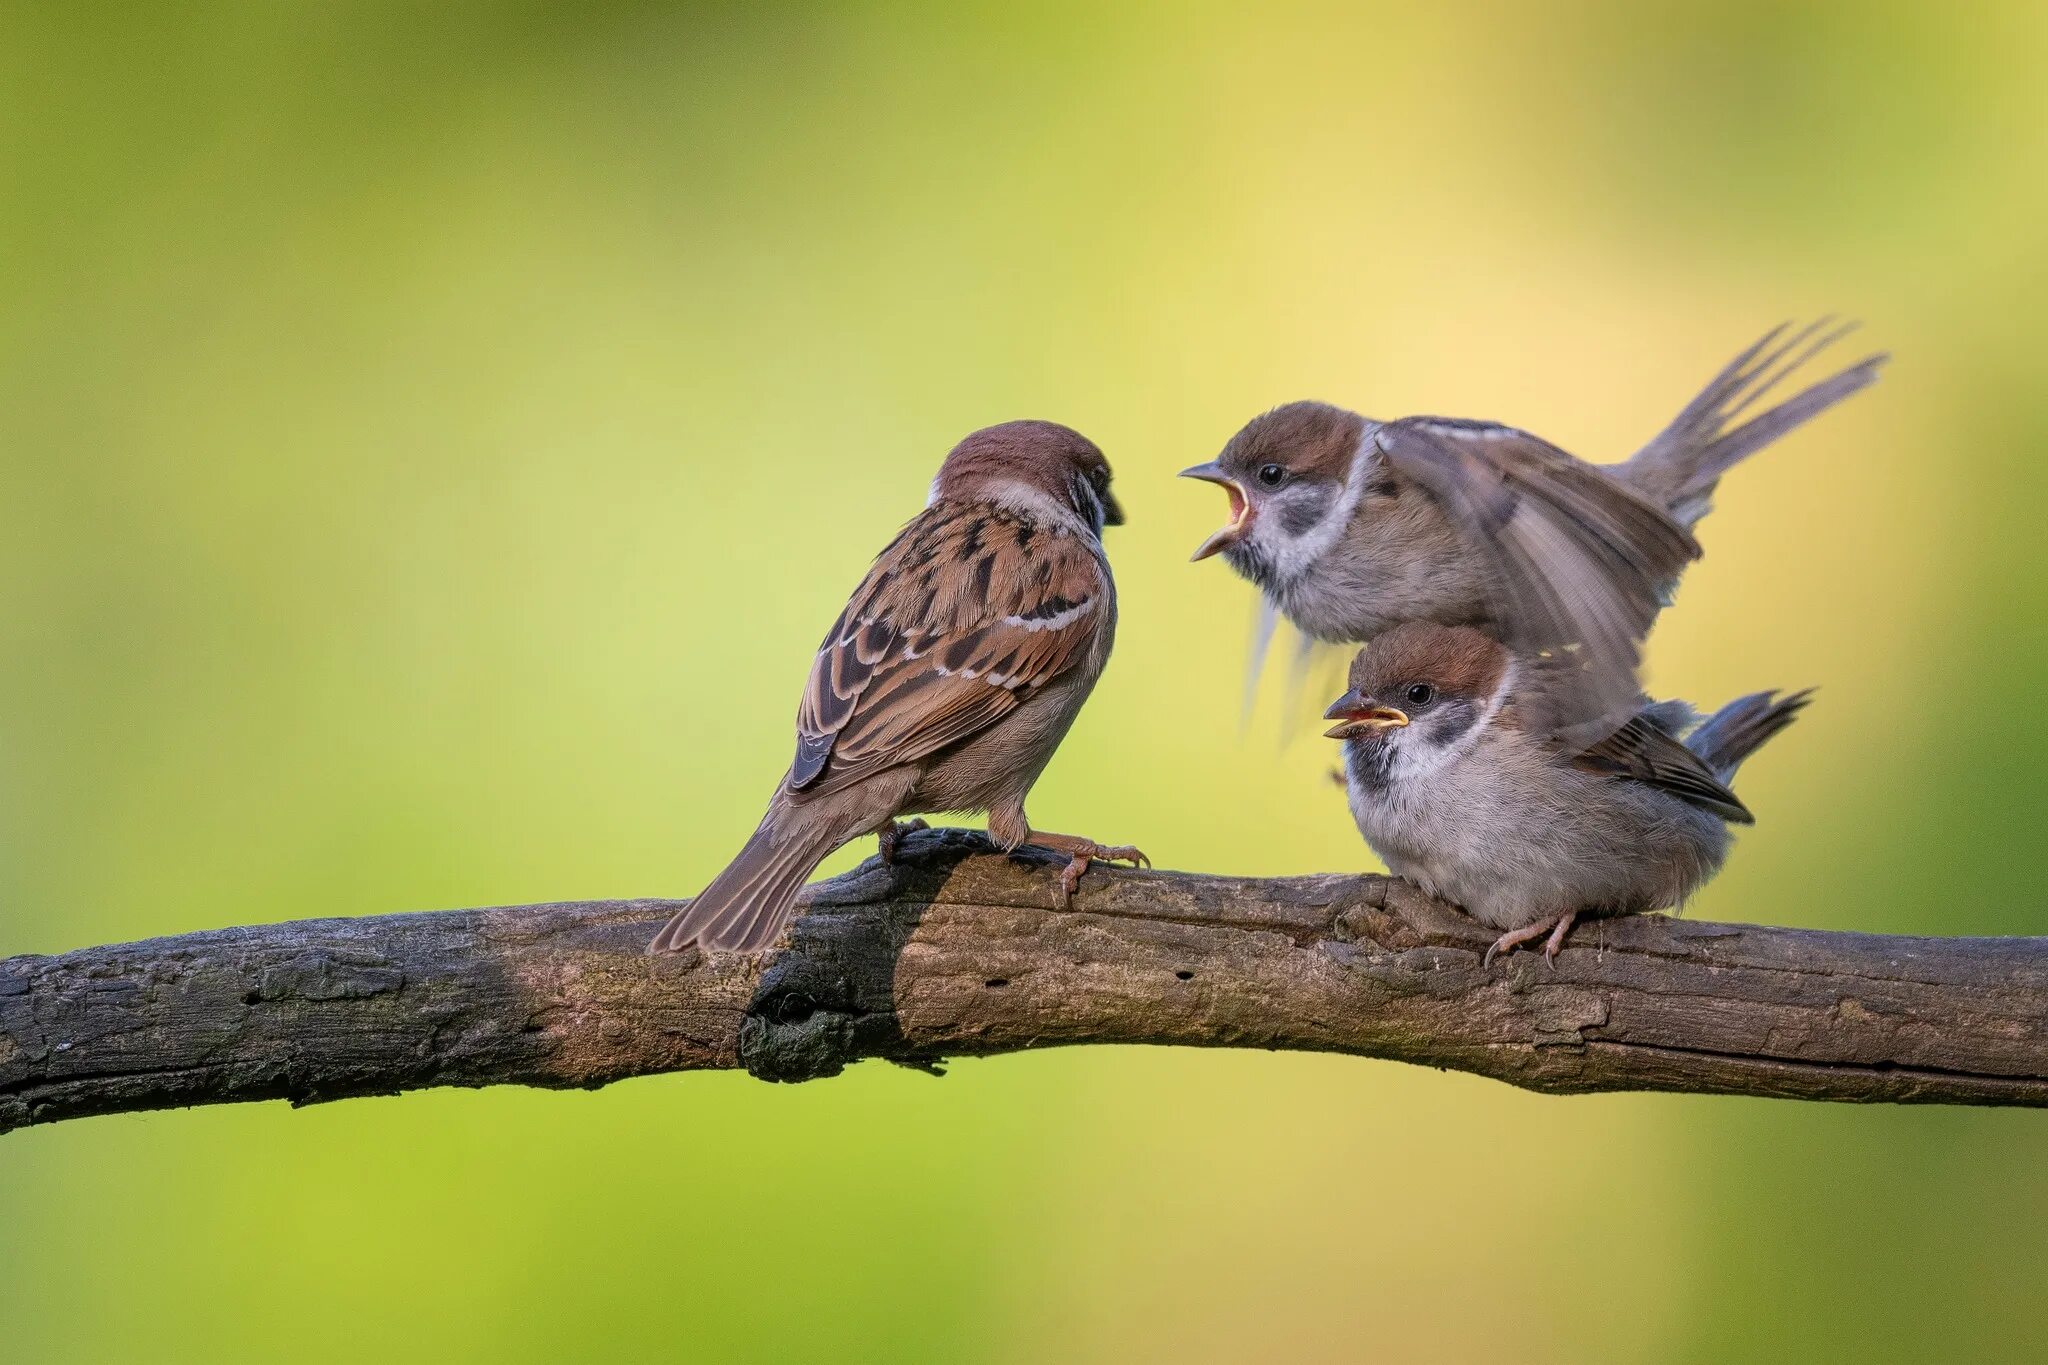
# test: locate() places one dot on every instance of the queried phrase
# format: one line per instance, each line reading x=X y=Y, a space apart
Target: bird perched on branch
x=1350 y=526
x=1459 y=780
x=948 y=681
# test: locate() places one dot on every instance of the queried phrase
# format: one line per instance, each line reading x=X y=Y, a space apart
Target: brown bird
x=1350 y=526
x=947 y=682
x=1458 y=780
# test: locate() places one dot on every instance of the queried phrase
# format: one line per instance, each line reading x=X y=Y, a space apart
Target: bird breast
x=1513 y=836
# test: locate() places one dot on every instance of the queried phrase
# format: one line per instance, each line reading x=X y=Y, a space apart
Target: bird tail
x=1724 y=739
x=1681 y=466
x=746 y=906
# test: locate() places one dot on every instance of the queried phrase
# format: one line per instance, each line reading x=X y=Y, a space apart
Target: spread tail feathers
x=746 y=906
x=1681 y=466
x=1742 y=727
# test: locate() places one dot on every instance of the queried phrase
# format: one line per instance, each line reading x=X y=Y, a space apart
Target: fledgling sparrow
x=1349 y=526
x=1458 y=780
x=947 y=682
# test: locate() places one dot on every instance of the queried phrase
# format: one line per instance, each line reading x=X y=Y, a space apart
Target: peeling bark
x=959 y=951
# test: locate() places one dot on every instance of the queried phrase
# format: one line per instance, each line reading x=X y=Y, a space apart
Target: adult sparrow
x=1350 y=526
x=1459 y=781
x=947 y=682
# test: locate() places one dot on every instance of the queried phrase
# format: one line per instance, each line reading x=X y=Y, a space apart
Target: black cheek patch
x=1448 y=720
x=1299 y=515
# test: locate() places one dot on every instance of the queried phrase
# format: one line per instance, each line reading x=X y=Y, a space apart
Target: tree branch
x=959 y=951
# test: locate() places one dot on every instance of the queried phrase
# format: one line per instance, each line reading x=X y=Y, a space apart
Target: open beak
x=1358 y=715
x=1241 y=513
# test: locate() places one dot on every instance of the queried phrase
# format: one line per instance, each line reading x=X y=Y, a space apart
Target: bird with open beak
x=1459 y=780
x=947 y=682
x=1349 y=526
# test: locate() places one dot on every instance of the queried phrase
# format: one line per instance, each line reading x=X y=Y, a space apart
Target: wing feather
x=1579 y=563
x=1645 y=751
x=970 y=610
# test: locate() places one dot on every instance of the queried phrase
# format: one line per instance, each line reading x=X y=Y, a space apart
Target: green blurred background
x=434 y=437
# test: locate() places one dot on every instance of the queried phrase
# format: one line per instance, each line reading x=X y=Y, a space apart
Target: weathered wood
x=959 y=951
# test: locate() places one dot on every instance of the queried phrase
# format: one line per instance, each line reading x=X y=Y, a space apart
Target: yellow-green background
x=434 y=436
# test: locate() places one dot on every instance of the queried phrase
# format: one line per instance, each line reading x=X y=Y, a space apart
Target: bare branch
x=958 y=951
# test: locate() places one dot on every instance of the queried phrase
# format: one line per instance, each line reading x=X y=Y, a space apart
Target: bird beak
x=1241 y=513
x=1112 y=510
x=1359 y=715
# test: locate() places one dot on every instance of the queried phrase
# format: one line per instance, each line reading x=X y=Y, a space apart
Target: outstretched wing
x=1678 y=469
x=1579 y=563
x=967 y=613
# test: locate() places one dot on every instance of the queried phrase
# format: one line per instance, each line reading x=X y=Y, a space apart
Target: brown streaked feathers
x=969 y=611
x=1644 y=751
x=948 y=680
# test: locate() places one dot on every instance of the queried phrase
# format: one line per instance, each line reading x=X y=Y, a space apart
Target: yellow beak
x=1241 y=513
x=1359 y=715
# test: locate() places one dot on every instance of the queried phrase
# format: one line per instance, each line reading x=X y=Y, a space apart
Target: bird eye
x=1421 y=694
x=1272 y=475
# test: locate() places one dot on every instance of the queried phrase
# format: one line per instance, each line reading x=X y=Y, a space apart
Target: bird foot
x=891 y=835
x=1557 y=928
x=1080 y=854
x=1078 y=863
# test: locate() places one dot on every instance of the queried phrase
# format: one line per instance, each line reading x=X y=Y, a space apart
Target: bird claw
x=1070 y=877
x=1514 y=938
x=888 y=838
x=1080 y=861
x=1564 y=926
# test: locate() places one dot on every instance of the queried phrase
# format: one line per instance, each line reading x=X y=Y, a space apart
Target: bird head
x=1420 y=687
x=1032 y=464
x=1289 y=475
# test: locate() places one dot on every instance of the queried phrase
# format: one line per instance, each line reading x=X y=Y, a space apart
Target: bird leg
x=1009 y=827
x=894 y=833
x=1556 y=927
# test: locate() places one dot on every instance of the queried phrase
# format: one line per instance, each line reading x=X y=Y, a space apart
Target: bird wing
x=1645 y=751
x=1680 y=466
x=1579 y=563
x=967 y=613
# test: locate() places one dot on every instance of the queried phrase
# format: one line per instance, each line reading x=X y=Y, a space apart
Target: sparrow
x=1349 y=526
x=1458 y=779
x=946 y=683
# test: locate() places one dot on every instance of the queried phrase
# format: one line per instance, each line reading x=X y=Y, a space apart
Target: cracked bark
x=957 y=951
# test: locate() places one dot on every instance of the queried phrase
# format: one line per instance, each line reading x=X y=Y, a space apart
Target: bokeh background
x=434 y=436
